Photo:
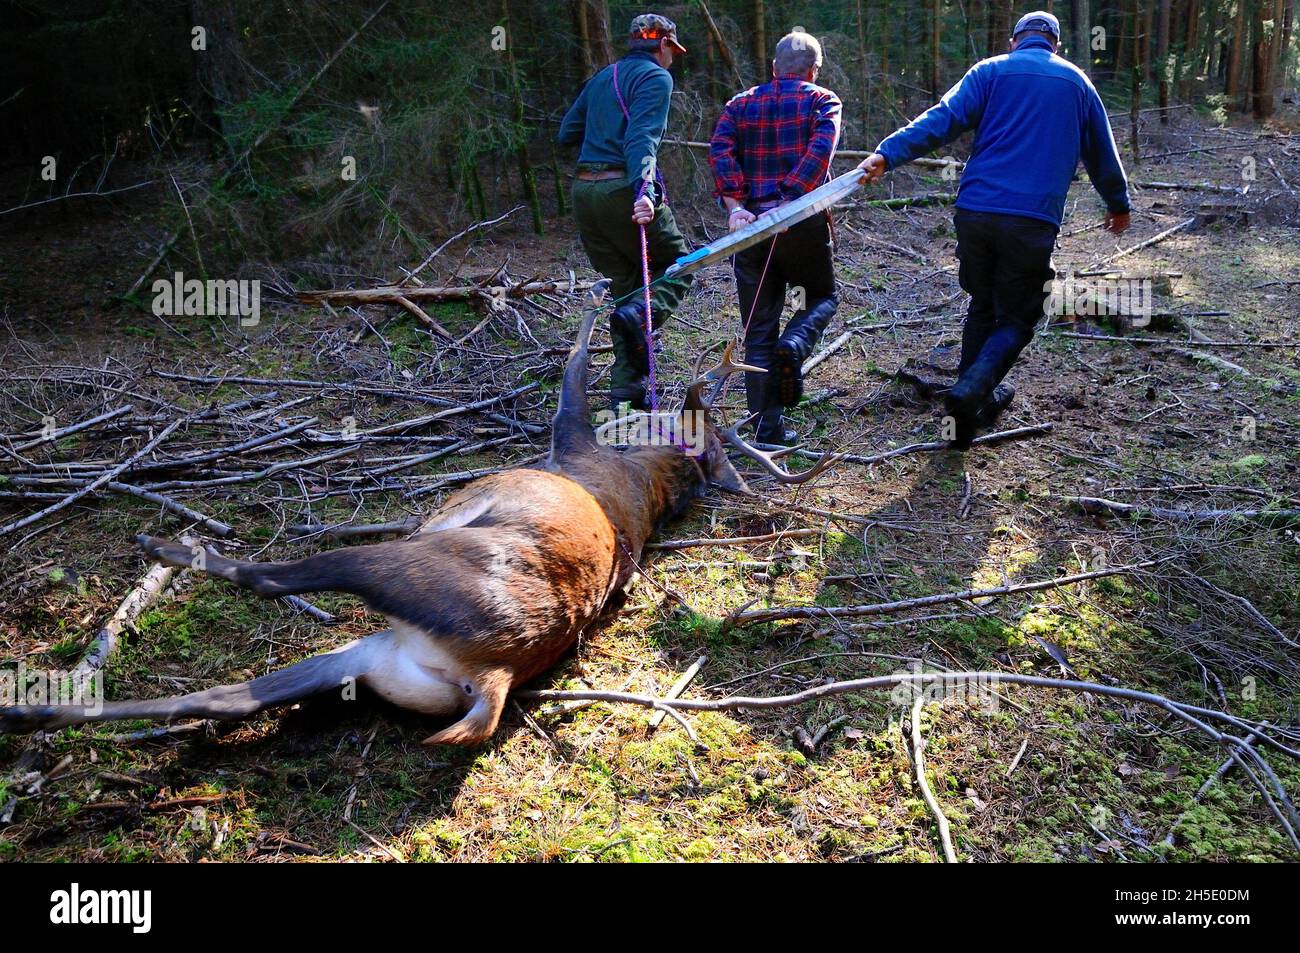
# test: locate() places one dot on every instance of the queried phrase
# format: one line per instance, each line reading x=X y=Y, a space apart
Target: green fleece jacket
x=607 y=138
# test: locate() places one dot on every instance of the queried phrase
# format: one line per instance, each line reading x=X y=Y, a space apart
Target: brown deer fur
x=494 y=588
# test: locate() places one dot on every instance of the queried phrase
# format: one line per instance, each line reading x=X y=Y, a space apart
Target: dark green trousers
x=603 y=211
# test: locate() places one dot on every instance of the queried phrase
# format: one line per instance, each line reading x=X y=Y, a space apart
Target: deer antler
x=718 y=374
x=768 y=457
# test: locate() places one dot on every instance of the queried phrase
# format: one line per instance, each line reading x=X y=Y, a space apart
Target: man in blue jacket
x=1034 y=115
x=619 y=119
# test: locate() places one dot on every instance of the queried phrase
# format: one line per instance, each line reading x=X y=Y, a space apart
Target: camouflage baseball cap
x=651 y=26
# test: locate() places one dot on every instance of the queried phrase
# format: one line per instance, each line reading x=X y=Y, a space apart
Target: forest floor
x=1040 y=775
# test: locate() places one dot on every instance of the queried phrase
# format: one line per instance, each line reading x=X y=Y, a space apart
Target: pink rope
x=649 y=322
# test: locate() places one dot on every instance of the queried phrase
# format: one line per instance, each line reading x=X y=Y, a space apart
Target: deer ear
x=722 y=473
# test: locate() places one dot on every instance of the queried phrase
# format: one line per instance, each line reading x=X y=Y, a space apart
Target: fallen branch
x=1187 y=187
x=1132 y=339
x=679 y=686
x=393 y=293
x=826 y=352
x=1219 y=362
x=420 y=313
x=1205 y=789
x=903 y=605
x=403 y=425
x=1034 y=430
x=75 y=428
x=917 y=201
x=1247 y=607
x=80 y=195
x=214 y=526
x=413 y=274
x=918 y=760
x=1096 y=505
x=317 y=613
x=141 y=597
x=107 y=477
x=1187 y=223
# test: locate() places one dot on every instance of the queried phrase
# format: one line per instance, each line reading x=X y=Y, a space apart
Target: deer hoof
x=166 y=552
x=463 y=733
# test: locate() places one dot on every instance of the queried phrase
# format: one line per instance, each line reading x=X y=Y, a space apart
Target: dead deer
x=493 y=588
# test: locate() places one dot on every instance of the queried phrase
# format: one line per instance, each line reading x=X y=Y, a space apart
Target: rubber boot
x=635 y=396
x=631 y=358
x=1002 y=397
x=966 y=400
x=770 y=429
x=785 y=379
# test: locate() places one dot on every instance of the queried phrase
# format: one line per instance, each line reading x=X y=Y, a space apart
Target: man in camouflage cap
x=619 y=119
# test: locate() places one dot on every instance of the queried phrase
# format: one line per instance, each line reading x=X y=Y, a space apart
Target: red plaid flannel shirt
x=774 y=142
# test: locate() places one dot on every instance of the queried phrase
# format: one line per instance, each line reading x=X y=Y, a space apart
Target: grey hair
x=797 y=53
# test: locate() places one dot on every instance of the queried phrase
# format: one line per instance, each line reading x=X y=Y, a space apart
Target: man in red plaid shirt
x=772 y=144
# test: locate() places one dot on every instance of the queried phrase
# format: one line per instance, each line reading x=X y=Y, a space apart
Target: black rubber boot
x=770 y=429
x=785 y=379
x=970 y=421
x=636 y=394
x=627 y=326
x=974 y=389
x=1002 y=397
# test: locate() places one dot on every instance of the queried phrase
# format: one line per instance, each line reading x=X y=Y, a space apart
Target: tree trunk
x=884 y=50
x=527 y=177
x=723 y=49
x=885 y=91
x=1261 y=80
x=222 y=77
x=1188 y=61
x=1214 y=47
x=1125 y=48
x=1278 y=52
x=761 y=55
x=1288 y=24
x=999 y=26
x=862 y=65
x=1232 y=75
x=711 y=56
x=1081 y=33
x=593 y=28
x=1138 y=74
x=1163 y=66
x=936 y=25
x=1147 y=19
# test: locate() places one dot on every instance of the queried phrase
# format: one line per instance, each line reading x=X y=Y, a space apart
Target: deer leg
x=488 y=691
x=338 y=570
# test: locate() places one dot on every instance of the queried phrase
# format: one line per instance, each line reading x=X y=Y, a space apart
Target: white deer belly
x=412 y=671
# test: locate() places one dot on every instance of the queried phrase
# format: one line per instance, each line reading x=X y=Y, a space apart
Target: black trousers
x=1006 y=268
x=802 y=259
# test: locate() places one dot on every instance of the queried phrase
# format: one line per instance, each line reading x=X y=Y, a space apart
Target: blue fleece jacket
x=1035 y=115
